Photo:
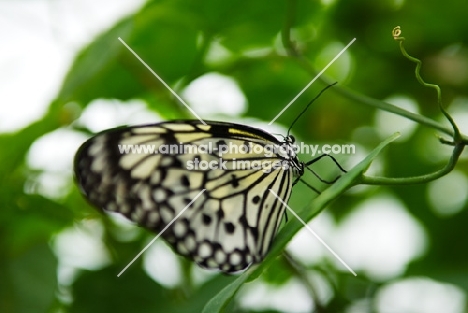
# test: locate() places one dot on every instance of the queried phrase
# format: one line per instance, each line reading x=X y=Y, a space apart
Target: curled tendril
x=396 y=32
x=457 y=137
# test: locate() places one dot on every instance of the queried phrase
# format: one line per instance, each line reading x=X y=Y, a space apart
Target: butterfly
x=232 y=223
x=214 y=191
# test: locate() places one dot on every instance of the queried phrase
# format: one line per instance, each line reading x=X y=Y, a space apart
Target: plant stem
x=372 y=180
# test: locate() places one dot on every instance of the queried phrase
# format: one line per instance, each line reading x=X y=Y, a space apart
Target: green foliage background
x=174 y=37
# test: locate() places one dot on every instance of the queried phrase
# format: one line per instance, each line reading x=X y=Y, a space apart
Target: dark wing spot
x=206 y=219
x=176 y=163
x=256 y=199
x=185 y=181
x=235 y=181
x=229 y=227
x=222 y=145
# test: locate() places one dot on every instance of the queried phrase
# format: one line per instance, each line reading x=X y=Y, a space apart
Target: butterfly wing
x=230 y=225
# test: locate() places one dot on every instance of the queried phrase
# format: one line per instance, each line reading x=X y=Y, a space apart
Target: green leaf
x=103 y=291
x=16 y=145
x=92 y=68
x=160 y=34
x=233 y=21
x=204 y=293
x=221 y=300
x=28 y=219
x=218 y=303
x=32 y=281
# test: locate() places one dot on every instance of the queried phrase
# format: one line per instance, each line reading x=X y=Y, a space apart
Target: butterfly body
x=232 y=223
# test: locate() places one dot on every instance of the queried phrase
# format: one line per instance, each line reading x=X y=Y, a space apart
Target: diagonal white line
x=161 y=80
x=162 y=231
x=313 y=233
x=311 y=82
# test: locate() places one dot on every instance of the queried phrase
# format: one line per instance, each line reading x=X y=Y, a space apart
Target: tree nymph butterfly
x=150 y=173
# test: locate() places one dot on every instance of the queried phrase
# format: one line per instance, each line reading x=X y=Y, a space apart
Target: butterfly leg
x=306 y=165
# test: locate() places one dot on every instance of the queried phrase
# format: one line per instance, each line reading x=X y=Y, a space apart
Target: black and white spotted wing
x=232 y=224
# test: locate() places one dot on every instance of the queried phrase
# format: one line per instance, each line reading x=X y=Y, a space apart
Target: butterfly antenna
x=308 y=105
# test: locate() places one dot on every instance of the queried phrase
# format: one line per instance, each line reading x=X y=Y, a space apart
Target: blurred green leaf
x=107 y=69
x=32 y=277
x=103 y=291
